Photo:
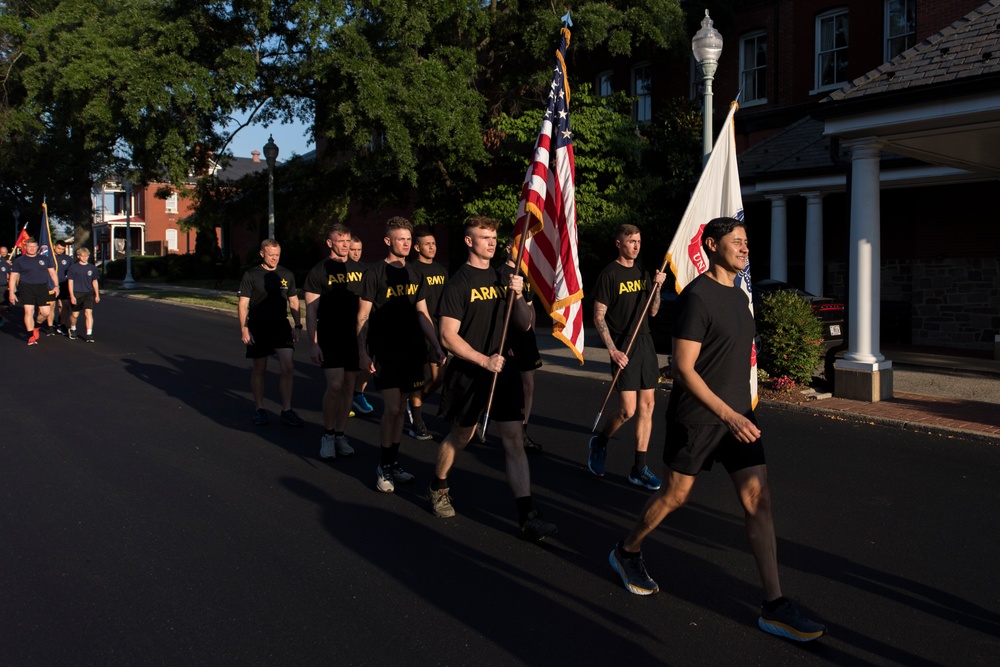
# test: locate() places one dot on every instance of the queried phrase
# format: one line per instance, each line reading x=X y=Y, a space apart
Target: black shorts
x=642 y=371
x=34 y=295
x=467 y=388
x=339 y=347
x=84 y=301
x=397 y=368
x=524 y=347
x=64 y=291
x=690 y=448
x=269 y=337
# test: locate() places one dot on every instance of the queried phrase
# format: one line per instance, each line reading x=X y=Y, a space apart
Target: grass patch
x=226 y=301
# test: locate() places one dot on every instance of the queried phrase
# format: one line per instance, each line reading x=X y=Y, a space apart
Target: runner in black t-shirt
x=620 y=296
x=525 y=349
x=710 y=418
x=432 y=279
x=84 y=291
x=392 y=323
x=267 y=293
x=360 y=402
x=331 y=293
x=61 y=309
x=30 y=277
x=472 y=312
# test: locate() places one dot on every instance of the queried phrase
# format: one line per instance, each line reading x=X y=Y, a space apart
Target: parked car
x=829 y=311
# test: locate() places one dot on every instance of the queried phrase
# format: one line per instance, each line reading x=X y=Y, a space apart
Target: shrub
x=791 y=337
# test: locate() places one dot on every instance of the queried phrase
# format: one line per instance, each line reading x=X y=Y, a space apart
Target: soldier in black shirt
x=433 y=277
x=392 y=323
x=472 y=311
x=267 y=293
x=710 y=418
x=620 y=296
x=331 y=293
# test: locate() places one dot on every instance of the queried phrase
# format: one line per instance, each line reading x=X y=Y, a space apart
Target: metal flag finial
x=567 y=21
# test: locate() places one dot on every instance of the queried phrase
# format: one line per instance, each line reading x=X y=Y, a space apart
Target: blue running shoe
x=597 y=456
x=361 y=404
x=787 y=621
x=633 y=573
x=645 y=477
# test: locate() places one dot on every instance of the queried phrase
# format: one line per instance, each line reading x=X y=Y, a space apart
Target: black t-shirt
x=434 y=277
x=338 y=285
x=719 y=318
x=393 y=292
x=33 y=270
x=5 y=269
x=63 y=262
x=477 y=298
x=268 y=292
x=83 y=277
x=624 y=290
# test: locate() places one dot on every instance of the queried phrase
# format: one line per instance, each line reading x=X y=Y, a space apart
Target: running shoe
x=350 y=414
x=72 y=334
x=343 y=446
x=383 y=480
x=597 y=457
x=534 y=529
x=50 y=331
x=87 y=338
x=420 y=432
x=259 y=416
x=645 y=477
x=787 y=621
x=399 y=475
x=289 y=418
x=328 y=446
x=361 y=404
x=60 y=329
x=632 y=570
x=441 y=503
x=33 y=338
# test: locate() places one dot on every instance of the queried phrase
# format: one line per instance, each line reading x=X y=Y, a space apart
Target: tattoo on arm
x=600 y=310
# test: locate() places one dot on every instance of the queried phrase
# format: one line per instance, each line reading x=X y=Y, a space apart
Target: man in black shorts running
x=433 y=277
x=472 y=312
x=30 y=278
x=61 y=307
x=266 y=294
x=710 y=418
x=84 y=291
x=524 y=347
x=392 y=315
x=331 y=292
x=620 y=296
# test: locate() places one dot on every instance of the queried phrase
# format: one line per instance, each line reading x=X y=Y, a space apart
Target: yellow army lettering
x=435 y=280
x=408 y=289
x=488 y=293
x=632 y=286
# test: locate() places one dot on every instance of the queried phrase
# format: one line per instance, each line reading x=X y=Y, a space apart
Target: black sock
x=524 y=508
x=339 y=434
x=388 y=456
x=332 y=432
x=620 y=547
x=640 y=460
x=602 y=441
x=773 y=604
x=439 y=484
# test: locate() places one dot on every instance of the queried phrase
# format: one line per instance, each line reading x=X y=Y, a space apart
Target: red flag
x=21 y=238
x=548 y=212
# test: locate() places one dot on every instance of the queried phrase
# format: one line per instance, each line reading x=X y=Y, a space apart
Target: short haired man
x=360 y=402
x=331 y=293
x=524 y=347
x=84 y=291
x=710 y=418
x=266 y=295
x=61 y=307
x=472 y=312
x=620 y=297
x=433 y=277
x=392 y=314
x=31 y=276
x=5 y=269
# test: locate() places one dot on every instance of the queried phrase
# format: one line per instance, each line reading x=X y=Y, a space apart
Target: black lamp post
x=271 y=155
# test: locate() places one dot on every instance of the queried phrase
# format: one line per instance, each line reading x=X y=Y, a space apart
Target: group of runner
x=396 y=319
x=51 y=289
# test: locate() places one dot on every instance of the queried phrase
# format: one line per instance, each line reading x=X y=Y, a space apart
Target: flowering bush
x=783 y=383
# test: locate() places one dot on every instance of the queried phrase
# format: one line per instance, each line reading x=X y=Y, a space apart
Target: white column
x=814 y=242
x=779 y=238
x=865 y=291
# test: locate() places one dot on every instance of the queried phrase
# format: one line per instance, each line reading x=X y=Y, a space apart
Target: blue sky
x=291 y=139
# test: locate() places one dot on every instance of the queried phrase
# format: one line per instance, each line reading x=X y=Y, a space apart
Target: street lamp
x=271 y=155
x=707 y=47
x=129 y=282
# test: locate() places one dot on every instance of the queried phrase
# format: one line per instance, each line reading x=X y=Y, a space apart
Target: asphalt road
x=145 y=520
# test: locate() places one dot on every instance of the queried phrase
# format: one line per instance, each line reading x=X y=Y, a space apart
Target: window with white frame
x=604 y=83
x=641 y=80
x=900 y=26
x=171 y=239
x=753 y=67
x=171 y=204
x=831 y=49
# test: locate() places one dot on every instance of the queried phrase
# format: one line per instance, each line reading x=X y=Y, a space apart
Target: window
x=900 y=26
x=643 y=105
x=172 y=203
x=753 y=67
x=831 y=49
x=604 y=84
x=171 y=239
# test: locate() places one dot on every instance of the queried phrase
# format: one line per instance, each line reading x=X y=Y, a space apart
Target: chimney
x=255 y=155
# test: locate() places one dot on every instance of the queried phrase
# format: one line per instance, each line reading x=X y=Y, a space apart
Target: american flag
x=548 y=212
